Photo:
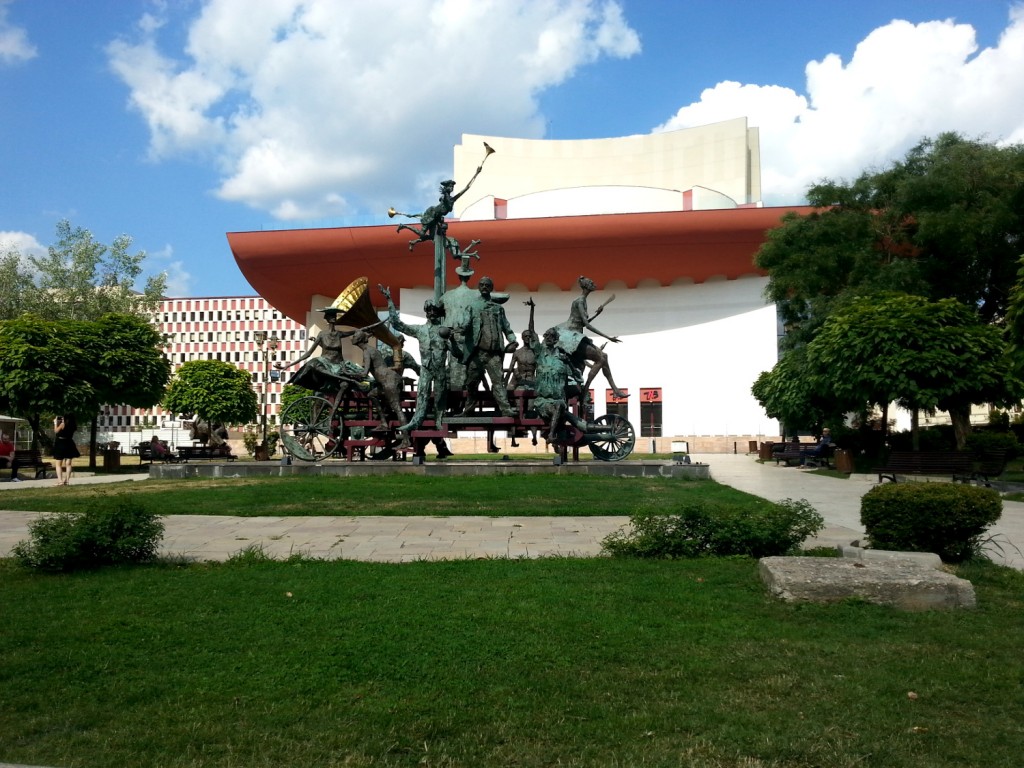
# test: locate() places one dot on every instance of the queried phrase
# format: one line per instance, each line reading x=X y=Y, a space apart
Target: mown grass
x=526 y=495
x=565 y=662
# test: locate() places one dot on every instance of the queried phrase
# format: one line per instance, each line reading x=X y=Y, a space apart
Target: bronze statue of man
x=554 y=373
x=485 y=347
x=435 y=346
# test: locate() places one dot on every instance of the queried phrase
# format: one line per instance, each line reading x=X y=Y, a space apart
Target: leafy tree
x=791 y=394
x=78 y=279
x=213 y=391
x=922 y=354
x=49 y=367
x=945 y=222
x=17 y=286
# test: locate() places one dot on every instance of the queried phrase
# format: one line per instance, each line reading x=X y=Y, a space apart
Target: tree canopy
x=920 y=354
x=214 y=391
x=78 y=279
x=945 y=228
x=49 y=367
x=945 y=222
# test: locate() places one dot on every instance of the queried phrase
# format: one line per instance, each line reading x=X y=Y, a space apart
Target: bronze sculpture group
x=462 y=347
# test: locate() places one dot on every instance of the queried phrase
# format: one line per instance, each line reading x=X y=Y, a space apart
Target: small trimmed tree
x=214 y=391
x=925 y=355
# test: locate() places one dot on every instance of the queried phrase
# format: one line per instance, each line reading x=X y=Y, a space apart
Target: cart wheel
x=306 y=429
x=611 y=438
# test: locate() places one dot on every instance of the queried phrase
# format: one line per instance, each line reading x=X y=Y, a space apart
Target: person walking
x=64 y=448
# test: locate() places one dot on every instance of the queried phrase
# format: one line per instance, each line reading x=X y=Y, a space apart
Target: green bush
x=100 y=535
x=703 y=529
x=984 y=442
x=945 y=518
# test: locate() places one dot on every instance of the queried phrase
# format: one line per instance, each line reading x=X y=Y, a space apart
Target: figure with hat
x=389 y=381
x=330 y=373
x=435 y=346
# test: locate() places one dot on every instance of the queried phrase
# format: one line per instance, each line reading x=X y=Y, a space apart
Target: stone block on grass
x=903 y=584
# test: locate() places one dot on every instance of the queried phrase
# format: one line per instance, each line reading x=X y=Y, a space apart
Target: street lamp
x=268 y=346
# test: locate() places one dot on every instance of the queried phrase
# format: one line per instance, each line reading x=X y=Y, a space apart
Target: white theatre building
x=669 y=223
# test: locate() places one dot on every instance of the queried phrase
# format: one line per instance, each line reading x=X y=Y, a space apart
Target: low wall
x=431 y=468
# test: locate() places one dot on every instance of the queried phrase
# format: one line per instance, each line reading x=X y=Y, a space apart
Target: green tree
x=793 y=395
x=921 y=354
x=78 y=279
x=17 y=287
x=49 y=367
x=945 y=222
x=213 y=391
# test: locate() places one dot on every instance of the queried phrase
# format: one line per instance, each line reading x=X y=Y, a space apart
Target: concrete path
x=404 y=539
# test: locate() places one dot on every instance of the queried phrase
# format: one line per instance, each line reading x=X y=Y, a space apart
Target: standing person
x=6 y=451
x=64 y=448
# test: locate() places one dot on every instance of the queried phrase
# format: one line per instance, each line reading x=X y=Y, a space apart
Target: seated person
x=6 y=451
x=158 y=449
x=820 y=449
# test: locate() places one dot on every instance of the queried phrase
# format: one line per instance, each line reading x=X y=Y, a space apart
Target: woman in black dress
x=64 y=448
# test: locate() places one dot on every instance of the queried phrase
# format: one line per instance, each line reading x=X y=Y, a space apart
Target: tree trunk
x=915 y=433
x=961 y=418
x=92 y=444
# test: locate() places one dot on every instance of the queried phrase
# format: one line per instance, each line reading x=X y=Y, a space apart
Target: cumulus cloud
x=318 y=108
x=14 y=43
x=22 y=243
x=903 y=82
x=179 y=279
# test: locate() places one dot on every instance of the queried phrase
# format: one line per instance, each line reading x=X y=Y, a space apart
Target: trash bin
x=765 y=452
x=843 y=460
x=111 y=460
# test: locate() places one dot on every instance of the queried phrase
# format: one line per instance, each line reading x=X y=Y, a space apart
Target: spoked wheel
x=308 y=429
x=611 y=438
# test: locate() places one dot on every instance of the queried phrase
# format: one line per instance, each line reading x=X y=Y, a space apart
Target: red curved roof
x=287 y=267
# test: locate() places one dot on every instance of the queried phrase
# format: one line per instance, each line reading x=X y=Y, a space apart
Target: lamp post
x=267 y=346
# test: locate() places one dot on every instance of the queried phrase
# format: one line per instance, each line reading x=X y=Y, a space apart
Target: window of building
x=650 y=412
x=618 y=406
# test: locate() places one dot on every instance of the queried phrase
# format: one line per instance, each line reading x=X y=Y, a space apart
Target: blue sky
x=176 y=121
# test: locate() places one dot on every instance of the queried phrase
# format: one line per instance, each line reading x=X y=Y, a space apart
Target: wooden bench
x=787 y=452
x=188 y=453
x=147 y=456
x=30 y=459
x=957 y=464
x=989 y=464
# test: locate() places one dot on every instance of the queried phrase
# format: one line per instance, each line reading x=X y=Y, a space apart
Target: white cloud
x=23 y=243
x=14 y=43
x=904 y=82
x=306 y=104
x=179 y=280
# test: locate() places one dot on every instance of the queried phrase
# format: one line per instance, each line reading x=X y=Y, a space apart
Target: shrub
x=100 y=535
x=986 y=442
x=700 y=529
x=945 y=518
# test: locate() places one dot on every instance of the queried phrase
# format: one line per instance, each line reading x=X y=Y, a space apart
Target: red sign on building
x=652 y=395
x=609 y=397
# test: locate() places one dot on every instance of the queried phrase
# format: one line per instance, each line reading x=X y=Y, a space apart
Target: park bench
x=958 y=464
x=147 y=456
x=793 y=452
x=188 y=453
x=30 y=459
x=988 y=464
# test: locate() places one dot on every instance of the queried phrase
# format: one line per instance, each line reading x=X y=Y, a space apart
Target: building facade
x=225 y=328
x=666 y=225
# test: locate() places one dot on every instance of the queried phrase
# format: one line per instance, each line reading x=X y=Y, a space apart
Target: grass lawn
x=527 y=495
x=563 y=662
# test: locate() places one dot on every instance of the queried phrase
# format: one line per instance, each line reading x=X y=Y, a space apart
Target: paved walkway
x=403 y=539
